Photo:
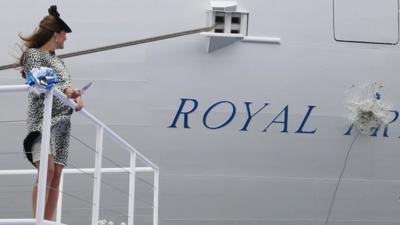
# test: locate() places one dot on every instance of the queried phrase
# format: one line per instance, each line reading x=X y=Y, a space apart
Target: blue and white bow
x=41 y=80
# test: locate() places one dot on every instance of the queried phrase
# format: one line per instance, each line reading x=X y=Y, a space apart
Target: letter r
x=185 y=114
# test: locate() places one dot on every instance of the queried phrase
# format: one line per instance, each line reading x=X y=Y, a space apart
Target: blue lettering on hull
x=188 y=105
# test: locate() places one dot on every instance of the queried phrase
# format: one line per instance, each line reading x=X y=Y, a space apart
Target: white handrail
x=78 y=171
x=97 y=170
x=72 y=104
x=111 y=133
x=14 y=88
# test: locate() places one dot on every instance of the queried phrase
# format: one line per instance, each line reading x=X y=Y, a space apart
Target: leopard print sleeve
x=31 y=59
x=63 y=76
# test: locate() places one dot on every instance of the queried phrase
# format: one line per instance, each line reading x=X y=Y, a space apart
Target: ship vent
x=230 y=25
x=227 y=19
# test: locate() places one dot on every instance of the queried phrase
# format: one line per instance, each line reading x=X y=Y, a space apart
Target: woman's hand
x=72 y=92
x=79 y=103
x=75 y=95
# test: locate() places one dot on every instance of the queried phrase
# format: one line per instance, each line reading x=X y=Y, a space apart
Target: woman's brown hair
x=40 y=36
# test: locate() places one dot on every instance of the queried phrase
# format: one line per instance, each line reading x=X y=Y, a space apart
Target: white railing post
x=45 y=145
x=155 y=198
x=60 y=198
x=132 y=177
x=97 y=175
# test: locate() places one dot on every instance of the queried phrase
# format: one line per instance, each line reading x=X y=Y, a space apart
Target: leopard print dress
x=61 y=114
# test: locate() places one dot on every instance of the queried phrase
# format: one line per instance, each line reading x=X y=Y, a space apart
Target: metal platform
x=25 y=222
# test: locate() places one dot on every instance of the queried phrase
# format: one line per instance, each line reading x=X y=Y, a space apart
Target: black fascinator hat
x=53 y=12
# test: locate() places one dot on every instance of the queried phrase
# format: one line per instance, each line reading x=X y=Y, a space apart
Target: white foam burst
x=367 y=109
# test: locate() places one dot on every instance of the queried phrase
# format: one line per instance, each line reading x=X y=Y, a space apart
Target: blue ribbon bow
x=41 y=79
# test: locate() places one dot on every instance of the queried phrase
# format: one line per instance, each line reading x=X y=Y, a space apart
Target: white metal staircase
x=97 y=170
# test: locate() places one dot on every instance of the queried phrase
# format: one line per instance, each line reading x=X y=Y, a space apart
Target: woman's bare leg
x=51 y=203
x=50 y=173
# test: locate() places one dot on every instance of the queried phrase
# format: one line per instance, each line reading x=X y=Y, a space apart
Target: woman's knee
x=50 y=170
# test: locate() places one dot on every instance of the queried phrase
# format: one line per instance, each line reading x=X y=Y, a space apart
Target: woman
x=40 y=52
